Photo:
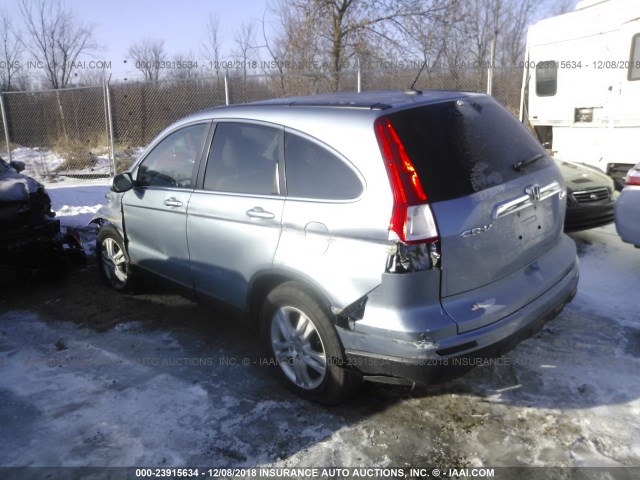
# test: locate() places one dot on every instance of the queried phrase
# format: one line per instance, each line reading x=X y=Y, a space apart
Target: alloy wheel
x=298 y=348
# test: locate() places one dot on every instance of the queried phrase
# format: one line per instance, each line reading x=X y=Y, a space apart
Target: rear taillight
x=633 y=177
x=411 y=219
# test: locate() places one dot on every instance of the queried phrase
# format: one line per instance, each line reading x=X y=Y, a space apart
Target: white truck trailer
x=581 y=84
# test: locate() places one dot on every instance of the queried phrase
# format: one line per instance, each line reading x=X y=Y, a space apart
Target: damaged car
x=392 y=237
x=31 y=241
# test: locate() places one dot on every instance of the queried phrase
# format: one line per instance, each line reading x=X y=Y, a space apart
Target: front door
x=155 y=209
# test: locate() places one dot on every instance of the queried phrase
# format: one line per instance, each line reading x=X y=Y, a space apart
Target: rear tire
x=303 y=347
x=113 y=260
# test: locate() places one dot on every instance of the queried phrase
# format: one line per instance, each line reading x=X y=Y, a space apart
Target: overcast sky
x=117 y=24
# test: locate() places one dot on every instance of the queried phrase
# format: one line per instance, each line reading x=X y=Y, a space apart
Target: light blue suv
x=388 y=236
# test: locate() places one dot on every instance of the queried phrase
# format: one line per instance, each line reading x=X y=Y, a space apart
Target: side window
x=244 y=159
x=170 y=163
x=314 y=172
x=546 y=78
x=634 y=65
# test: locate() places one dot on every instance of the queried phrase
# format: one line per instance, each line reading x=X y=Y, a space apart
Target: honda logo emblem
x=534 y=192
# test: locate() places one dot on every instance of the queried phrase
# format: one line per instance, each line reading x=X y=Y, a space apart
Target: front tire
x=303 y=346
x=113 y=261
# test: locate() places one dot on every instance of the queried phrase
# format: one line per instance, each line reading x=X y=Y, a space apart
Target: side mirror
x=17 y=165
x=546 y=145
x=122 y=182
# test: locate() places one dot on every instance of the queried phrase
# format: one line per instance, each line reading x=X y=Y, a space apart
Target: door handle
x=172 y=202
x=259 y=212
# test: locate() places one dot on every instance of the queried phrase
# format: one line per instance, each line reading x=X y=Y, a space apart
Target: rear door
x=493 y=217
x=233 y=221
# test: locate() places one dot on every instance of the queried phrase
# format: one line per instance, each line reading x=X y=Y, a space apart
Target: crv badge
x=476 y=231
x=534 y=192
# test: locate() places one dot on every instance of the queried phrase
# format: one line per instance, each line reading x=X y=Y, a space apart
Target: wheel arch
x=264 y=282
x=110 y=231
x=103 y=221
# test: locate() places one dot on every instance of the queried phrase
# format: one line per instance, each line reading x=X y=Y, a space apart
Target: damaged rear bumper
x=438 y=353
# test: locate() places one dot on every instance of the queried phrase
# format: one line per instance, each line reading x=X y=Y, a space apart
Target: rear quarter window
x=314 y=172
x=465 y=146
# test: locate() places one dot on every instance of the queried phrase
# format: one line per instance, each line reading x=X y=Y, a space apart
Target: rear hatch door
x=494 y=217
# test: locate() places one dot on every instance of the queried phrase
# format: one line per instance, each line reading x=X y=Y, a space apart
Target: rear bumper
x=391 y=358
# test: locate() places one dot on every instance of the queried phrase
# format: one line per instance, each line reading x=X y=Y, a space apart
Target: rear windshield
x=465 y=146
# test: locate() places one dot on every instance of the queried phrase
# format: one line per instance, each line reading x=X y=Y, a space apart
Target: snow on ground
x=610 y=276
x=167 y=395
x=76 y=204
x=44 y=165
x=39 y=163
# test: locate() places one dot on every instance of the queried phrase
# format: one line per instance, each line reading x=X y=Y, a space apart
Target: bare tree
x=89 y=78
x=147 y=55
x=55 y=38
x=503 y=22
x=295 y=42
x=293 y=38
x=559 y=7
x=245 y=41
x=455 y=51
x=426 y=36
x=183 y=67
x=482 y=27
x=342 y=29
x=517 y=17
x=9 y=52
x=212 y=44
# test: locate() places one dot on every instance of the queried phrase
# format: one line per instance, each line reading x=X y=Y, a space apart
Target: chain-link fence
x=3 y=142
x=95 y=131
x=58 y=131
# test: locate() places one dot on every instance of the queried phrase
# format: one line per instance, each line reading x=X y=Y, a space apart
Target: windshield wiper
x=523 y=163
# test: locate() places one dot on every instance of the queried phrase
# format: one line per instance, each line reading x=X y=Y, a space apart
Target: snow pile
x=47 y=166
x=39 y=163
x=76 y=204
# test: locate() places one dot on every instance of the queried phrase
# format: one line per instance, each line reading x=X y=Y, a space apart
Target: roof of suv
x=376 y=100
x=348 y=104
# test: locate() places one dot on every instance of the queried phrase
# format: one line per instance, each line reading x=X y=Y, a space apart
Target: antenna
x=418 y=76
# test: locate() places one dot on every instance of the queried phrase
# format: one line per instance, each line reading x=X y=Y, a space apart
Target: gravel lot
x=93 y=378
